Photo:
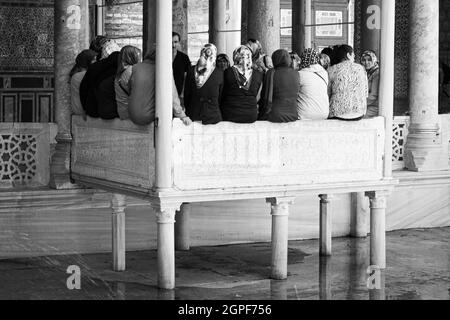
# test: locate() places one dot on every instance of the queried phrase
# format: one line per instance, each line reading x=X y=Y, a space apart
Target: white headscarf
x=206 y=64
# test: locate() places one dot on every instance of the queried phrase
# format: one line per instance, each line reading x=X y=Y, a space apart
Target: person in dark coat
x=203 y=90
x=241 y=87
x=280 y=90
x=96 y=73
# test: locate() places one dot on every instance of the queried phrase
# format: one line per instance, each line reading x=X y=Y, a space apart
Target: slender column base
x=165 y=217
x=325 y=225
x=280 y=223
x=325 y=278
x=278 y=290
x=376 y=284
x=378 y=204
x=359 y=215
x=182 y=229
x=118 y=205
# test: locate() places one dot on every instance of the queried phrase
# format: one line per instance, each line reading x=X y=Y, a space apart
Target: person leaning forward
x=142 y=102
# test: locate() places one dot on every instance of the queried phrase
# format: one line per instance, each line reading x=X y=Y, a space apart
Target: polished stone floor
x=418 y=268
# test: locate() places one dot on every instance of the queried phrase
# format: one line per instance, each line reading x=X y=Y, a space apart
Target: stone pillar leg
x=325 y=277
x=280 y=221
x=378 y=204
x=359 y=215
x=182 y=228
x=264 y=23
x=278 y=290
x=325 y=224
x=424 y=148
x=166 y=246
x=377 y=285
x=118 y=205
x=71 y=37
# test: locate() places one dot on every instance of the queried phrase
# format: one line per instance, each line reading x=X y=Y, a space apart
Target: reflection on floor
x=418 y=268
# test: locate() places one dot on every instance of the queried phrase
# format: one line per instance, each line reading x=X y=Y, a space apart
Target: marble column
x=164 y=82
x=326 y=232
x=182 y=228
x=371 y=25
x=244 y=21
x=225 y=24
x=165 y=218
x=378 y=204
x=118 y=205
x=179 y=18
x=280 y=229
x=424 y=148
x=218 y=24
x=298 y=25
x=71 y=37
x=301 y=18
x=149 y=28
x=180 y=21
x=264 y=23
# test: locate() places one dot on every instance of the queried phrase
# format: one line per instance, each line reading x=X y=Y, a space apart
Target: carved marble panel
x=116 y=151
x=262 y=154
x=24 y=155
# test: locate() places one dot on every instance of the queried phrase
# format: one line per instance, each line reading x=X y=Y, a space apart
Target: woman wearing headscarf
x=348 y=87
x=203 y=88
x=312 y=99
x=129 y=56
x=279 y=93
x=82 y=63
x=241 y=87
x=95 y=92
x=369 y=61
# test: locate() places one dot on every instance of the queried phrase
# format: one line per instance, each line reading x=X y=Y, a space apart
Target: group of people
x=108 y=82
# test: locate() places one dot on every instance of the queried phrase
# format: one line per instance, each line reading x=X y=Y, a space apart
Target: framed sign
x=332 y=21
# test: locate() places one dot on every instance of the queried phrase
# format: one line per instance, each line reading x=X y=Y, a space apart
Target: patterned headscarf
x=242 y=58
x=206 y=64
x=108 y=48
x=371 y=55
x=309 y=57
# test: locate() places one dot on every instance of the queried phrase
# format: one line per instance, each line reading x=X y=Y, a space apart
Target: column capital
x=165 y=211
x=378 y=199
x=326 y=198
x=280 y=206
x=280 y=200
x=118 y=203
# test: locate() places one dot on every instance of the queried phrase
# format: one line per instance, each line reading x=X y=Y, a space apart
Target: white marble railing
x=25 y=151
x=400 y=136
x=230 y=155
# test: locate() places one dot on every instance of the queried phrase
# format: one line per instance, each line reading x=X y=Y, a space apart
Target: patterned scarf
x=205 y=65
x=309 y=57
x=242 y=68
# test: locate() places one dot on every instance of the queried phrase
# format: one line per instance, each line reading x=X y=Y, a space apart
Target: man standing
x=181 y=65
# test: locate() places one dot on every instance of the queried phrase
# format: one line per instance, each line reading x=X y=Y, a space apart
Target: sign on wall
x=333 y=23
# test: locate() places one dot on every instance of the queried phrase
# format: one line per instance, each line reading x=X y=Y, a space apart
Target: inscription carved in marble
x=264 y=154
